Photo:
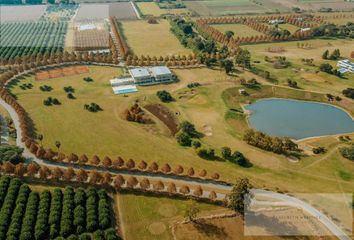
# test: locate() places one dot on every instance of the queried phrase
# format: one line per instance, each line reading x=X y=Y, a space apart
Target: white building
x=276 y=21
x=345 y=66
x=142 y=76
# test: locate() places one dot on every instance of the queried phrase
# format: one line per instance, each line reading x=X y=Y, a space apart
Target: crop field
x=28 y=214
x=152 y=217
x=87 y=12
x=151 y=8
x=23 y=39
x=163 y=42
x=334 y=4
x=240 y=30
x=122 y=10
x=21 y=13
x=291 y=28
x=226 y=7
x=91 y=39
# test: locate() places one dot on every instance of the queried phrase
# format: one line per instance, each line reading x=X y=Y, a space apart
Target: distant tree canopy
x=332 y=30
x=243 y=58
x=11 y=154
x=348 y=152
x=349 y=92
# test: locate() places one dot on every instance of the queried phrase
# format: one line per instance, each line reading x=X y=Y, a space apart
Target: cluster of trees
x=28 y=215
x=278 y=61
x=335 y=55
x=349 y=92
x=136 y=114
x=51 y=101
x=93 y=107
x=327 y=68
x=243 y=58
x=268 y=143
x=186 y=133
x=26 y=86
x=235 y=157
x=332 y=30
x=348 y=152
x=318 y=150
x=193 y=85
x=164 y=96
x=45 y=88
x=292 y=83
x=32 y=38
x=70 y=91
x=11 y=154
x=188 y=38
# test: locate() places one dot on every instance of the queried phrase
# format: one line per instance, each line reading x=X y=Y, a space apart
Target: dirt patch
x=157 y=228
x=208 y=130
x=61 y=72
x=167 y=210
x=165 y=115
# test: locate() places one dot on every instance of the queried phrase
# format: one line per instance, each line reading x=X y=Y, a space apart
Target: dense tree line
x=268 y=143
x=10 y=153
x=41 y=228
x=349 y=92
x=332 y=30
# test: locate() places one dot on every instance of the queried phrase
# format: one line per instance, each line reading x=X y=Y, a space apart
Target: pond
x=298 y=119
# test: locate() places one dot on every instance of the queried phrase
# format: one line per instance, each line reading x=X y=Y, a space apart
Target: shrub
x=165 y=96
x=183 y=138
x=348 y=152
x=88 y=79
x=206 y=153
x=93 y=107
x=318 y=150
x=11 y=154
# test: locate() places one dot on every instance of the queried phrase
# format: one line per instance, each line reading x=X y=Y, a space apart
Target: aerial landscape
x=176 y=119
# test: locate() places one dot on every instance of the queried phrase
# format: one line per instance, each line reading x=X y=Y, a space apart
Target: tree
x=118 y=182
x=81 y=175
x=348 y=152
x=229 y=34
x=190 y=172
x=184 y=190
x=83 y=159
x=69 y=174
x=57 y=144
x=106 y=162
x=198 y=191
x=166 y=168
x=189 y=129
x=145 y=183
x=95 y=160
x=227 y=65
x=239 y=198
x=9 y=153
x=142 y=165
x=164 y=96
x=226 y=152
x=326 y=67
x=243 y=58
x=158 y=186
x=171 y=188
x=183 y=138
x=32 y=169
x=57 y=173
x=132 y=182
x=212 y=195
x=191 y=213
x=130 y=164
x=325 y=54
x=119 y=162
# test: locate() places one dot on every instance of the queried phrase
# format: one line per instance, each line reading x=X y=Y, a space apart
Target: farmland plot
x=239 y=29
x=122 y=10
x=21 y=13
x=31 y=38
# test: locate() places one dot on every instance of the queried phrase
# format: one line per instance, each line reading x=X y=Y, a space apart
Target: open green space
x=239 y=30
x=161 y=41
x=149 y=217
x=152 y=9
x=106 y=133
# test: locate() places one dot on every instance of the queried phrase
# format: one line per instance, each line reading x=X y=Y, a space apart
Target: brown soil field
x=165 y=115
x=61 y=72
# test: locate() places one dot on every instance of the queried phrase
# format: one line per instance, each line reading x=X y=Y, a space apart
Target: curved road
x=205 y=184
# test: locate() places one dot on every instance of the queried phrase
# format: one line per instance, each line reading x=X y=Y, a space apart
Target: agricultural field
x=152 y=9
x=28 y=214
x=146 y=218
x=89 y=12
x=163 y=42
x=21 y=13
x=122 y=10
x=337 y=18
x=239 y=30
x=31 y=38
x=228 y=7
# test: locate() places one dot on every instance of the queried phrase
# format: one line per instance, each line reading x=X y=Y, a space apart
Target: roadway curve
x=205 y=184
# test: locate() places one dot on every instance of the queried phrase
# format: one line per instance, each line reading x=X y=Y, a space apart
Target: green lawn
x=239 y=30
x=145 y=217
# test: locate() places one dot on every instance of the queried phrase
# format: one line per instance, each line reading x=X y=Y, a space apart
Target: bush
x=318 y=150
x=69 y=89
x=88 y=79
x=165 y=96
x=206 y=153
x=70 y=96
x=348 y=152
x=349 y=92
x=93 y=107
x=11 y=154
x=193 y=85
x=183 y=138
x=42 y=228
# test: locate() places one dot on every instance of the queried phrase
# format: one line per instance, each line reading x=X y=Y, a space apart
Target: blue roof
x=139 y=72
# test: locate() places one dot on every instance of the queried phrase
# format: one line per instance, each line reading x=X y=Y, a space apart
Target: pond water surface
x=298 y=119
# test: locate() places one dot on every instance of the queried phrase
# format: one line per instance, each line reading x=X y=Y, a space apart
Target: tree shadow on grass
x=209 y=229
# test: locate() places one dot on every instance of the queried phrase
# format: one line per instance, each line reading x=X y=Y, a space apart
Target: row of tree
x=99 y=220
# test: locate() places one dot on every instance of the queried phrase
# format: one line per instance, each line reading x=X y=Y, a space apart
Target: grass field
x=307 y=77
x=161 y=40
x=106 y=133
x=240 y=30
x=152 y=9
x=146 y=217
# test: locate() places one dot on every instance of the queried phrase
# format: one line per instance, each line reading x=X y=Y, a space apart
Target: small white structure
x=305 y=29
x=345 y=66
x=142 y=76
x=276 y=21
x=242 y=91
